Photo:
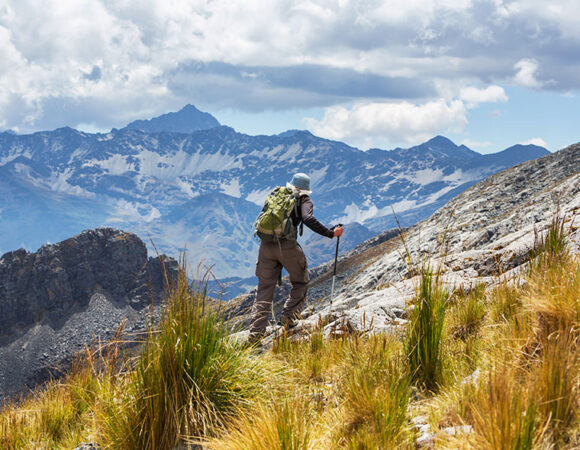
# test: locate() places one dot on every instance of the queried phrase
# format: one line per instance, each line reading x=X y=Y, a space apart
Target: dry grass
x=280 y=424
x=375 y=393
x=504 y=412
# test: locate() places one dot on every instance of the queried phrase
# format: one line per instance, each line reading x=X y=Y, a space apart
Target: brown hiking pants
x=271 y=258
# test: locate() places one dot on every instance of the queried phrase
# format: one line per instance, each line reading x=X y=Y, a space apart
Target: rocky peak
x=187 y=120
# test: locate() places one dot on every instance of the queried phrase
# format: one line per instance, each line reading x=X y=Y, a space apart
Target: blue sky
x=487 y=73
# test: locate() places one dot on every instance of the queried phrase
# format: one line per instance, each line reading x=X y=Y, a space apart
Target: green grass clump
x=550 y=248
x=423 y=341
x=189 y=380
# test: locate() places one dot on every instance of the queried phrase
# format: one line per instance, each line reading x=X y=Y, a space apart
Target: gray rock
x=87 y=446
x=58 y=300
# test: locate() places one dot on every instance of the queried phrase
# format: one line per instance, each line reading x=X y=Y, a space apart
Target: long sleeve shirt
x=307 y=217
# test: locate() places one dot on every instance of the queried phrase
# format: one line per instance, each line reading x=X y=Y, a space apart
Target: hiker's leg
x=268 y=271
x=294 y=261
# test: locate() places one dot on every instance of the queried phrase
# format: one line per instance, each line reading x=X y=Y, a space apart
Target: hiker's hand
x=338 y=231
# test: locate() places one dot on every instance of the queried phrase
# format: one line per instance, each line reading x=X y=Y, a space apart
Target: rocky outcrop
x=57 y=300
x=486 y=231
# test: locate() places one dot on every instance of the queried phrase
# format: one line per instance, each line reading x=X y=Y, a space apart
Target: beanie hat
x=301 y=181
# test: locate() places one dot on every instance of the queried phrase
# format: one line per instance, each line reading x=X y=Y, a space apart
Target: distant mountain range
x=185 y=181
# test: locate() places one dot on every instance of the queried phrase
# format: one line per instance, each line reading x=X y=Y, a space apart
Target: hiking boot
x=254 y=340
x=287 y=322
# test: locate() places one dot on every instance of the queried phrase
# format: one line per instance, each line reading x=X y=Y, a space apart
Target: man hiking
x=277 y=227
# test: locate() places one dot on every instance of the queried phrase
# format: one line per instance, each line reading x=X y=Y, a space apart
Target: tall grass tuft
x=556 y=385
x=375 y=389
x=311 y=357
x=281 y=424
x=468 y=313
x=50 y=419
x=505 y=414
x=553 y=300
x=189 y=380
x=505 y=301
x=550 y=247
x=423 y=341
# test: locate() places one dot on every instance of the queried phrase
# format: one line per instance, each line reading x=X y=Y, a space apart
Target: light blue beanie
x=301 y=181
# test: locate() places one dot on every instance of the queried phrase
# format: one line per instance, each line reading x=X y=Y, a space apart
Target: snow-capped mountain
x=203 y=189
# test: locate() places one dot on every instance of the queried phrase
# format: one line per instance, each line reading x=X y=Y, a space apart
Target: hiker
x=279 y=248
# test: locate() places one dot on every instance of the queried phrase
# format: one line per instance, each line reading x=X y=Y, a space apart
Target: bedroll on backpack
x=274 y=221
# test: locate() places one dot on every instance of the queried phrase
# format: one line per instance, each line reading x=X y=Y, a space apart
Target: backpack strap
x=298 y=205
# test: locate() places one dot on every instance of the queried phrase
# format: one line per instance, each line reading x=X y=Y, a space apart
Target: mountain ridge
x=135 y=179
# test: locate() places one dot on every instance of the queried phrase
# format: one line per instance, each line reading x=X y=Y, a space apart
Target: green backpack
x=274 y=221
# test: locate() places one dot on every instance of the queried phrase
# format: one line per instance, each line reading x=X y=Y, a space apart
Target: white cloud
x=491 y=94
x=107 y=62
x=374 y=124
x=526 y=75
x=535 y=141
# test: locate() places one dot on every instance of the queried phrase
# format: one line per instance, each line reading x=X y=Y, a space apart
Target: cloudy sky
x=487 y=73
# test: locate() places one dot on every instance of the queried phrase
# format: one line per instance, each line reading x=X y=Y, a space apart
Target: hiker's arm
x=310 y=221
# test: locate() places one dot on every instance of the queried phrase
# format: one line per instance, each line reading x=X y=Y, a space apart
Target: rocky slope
x=59 y=299
x=486 y=231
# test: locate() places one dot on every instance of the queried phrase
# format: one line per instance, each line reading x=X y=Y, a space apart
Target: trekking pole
x=334 y=272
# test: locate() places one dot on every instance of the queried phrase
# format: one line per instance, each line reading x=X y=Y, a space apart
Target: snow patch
x=424 y=176
x=125 y=211
x=232 y=188
x=58 y=181
x=170 y=166
x=352 y=213
x=186 y=188
x=316 y=176
x=115 y=165
x=14 y=153
x=403 y=205
x=259 y=197
x=386 y=187
x=291 y=152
